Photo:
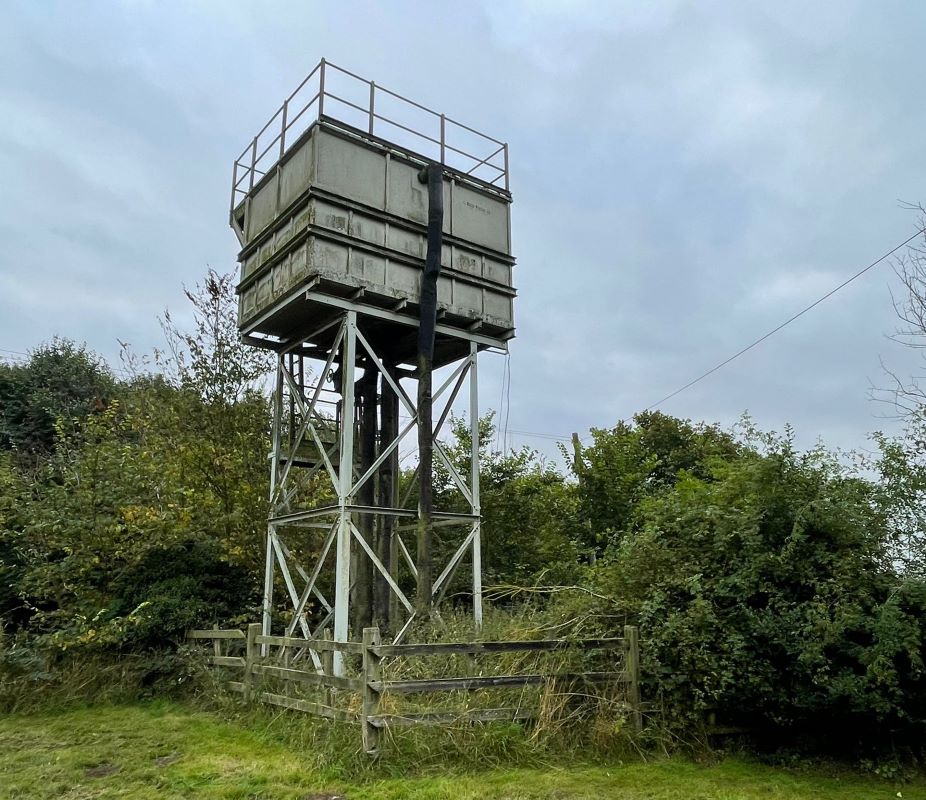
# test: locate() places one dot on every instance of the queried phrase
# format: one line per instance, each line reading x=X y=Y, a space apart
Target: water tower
x=330 y=203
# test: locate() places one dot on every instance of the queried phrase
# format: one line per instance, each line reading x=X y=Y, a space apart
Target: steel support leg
x=268 y=585
x=345 y=481
x=274 y=474
x=474 y=483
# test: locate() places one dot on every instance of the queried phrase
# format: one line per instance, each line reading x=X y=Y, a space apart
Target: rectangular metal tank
x=342 y=218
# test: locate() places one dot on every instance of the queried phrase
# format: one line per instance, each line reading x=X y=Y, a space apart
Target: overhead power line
x=787 y=322
x=537 y=435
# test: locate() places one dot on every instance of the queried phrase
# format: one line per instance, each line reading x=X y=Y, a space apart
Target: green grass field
x=163 y=750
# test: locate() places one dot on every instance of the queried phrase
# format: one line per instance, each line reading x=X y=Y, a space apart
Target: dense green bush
x=61 y=384
x=765 y=593
x=530 y=520
x=142 y=486
x=145 y=515
x=631 y=461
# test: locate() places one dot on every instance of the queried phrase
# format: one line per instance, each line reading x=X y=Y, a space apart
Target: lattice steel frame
x=338 y=519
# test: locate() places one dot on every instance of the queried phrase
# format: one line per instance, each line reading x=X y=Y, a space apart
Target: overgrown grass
x=573 y=720
x=570 y=739
x=33 y=680
x=167 y=750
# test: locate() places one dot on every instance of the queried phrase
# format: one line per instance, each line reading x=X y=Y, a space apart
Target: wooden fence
x=308 y=663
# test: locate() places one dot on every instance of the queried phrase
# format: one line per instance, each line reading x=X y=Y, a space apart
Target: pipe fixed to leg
x=427 y=322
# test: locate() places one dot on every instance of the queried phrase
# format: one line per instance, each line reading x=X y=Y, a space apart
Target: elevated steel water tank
x=331 y=214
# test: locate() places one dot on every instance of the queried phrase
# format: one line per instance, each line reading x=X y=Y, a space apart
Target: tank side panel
x=466 y=261
x=328 y=258
x=299 y=263
x=298 y=172
x=368 y=270
x=480 y=219
x=406 y=242
x=406 y=196
x=351 y=170
x=468 y=297
x=368 y=228
x=263 y=207
x=405 y=280
x=496 y=271
x=498 y=306
x=332 y=217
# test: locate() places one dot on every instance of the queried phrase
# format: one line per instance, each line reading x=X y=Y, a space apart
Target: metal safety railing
x=377 y=111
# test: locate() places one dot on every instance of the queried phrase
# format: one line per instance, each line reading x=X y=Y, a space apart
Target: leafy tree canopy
x=60 y=384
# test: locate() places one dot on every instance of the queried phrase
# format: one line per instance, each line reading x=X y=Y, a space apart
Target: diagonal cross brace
x=379 y=565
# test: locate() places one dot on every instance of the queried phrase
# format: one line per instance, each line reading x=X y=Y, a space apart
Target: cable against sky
x=787 y=322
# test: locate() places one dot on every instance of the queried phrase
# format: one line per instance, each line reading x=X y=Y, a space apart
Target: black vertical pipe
x=366 y=392
x=427 y=323
x=428 y=302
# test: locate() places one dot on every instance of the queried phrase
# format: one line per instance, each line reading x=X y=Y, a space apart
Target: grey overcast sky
x=686 y=175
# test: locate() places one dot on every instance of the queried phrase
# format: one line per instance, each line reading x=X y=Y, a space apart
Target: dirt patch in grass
x=102 y=770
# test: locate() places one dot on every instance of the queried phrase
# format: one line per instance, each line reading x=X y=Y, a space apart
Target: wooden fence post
x=250 y=656
x=217 y=642
x=372 y=671
x=632 y=668
x=327 y=658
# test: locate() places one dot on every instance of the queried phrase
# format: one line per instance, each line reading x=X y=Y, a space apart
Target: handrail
x=333 y=96
x=485 y=161
x=305 y=81
x=345 y=71
x=411 y=102
x=406 y=128
x=246 y=171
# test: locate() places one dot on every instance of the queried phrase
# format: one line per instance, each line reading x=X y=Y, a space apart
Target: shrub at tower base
x=769 y=592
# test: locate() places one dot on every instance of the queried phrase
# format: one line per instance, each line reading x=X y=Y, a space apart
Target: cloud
x=794 y=289
x=686 y=175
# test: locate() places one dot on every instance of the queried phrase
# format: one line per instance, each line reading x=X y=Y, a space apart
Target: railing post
x=632 y=668
x=321 y=89
x=506 y=167
x=372 y=104
x=283 y=128
x=443 y=138
x=372 y=671
x=250 y=656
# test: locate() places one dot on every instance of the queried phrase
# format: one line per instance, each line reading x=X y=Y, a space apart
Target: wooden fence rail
x=308 y=663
